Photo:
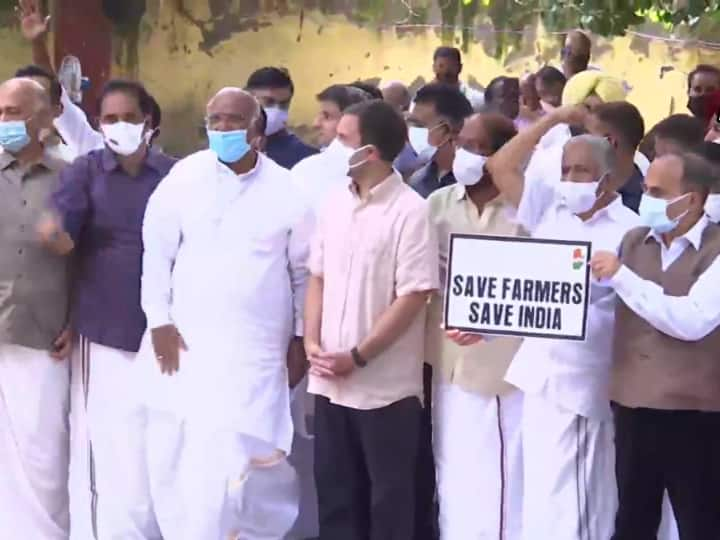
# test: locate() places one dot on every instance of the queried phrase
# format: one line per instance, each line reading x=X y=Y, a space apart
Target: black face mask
x=698 y=105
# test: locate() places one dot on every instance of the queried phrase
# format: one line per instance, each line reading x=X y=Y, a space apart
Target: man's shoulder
x=308 y=164
x=410 y=202
x=440 y=199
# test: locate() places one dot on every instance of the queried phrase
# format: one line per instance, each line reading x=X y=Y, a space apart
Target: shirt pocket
x=375 y=253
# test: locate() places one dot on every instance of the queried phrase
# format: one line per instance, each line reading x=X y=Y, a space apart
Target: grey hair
x=602 y=150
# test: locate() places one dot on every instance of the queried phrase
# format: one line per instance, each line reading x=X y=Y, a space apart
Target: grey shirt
x=33 y=281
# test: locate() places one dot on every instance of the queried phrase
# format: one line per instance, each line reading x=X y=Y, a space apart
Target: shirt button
x=24 y=203
x=20 y=251
x=22 y=228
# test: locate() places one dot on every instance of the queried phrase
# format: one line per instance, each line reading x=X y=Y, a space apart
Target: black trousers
x=674 y=450
x=365 y=465
x=426 y=508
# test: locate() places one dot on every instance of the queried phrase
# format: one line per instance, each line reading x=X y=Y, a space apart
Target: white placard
x=517 y=286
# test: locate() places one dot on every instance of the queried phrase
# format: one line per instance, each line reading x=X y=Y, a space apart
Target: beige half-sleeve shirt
x=478 y=368
x=368 y=253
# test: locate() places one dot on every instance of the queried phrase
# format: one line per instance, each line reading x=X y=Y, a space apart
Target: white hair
x=601 y=149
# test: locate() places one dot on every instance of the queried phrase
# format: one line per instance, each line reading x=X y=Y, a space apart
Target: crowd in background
x=247 y=343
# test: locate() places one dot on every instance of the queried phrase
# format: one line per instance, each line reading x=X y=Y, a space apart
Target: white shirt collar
x=693 y=236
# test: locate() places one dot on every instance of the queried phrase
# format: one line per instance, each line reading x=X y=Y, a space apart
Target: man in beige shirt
x=374 y=263
x=476 y=415
x=34 y=372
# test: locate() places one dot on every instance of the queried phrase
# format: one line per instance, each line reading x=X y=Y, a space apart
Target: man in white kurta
x=568 y=438
x=226 y=243
x=569 y=489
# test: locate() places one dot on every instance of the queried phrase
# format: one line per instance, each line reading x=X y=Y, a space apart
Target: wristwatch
x=357 y=358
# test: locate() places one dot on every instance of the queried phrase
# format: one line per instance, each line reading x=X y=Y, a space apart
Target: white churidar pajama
x=33 y=445
x=478 y=458
x=225 y=262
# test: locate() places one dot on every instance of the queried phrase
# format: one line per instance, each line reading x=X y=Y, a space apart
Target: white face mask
x=123 y=138
x=339 y=150
x=579 y=197
x=419 y=141
x=468 y=168
x=276 y=120
x=712 y=207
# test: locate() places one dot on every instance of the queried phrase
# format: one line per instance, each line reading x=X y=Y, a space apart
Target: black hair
x=343 y=95
x=711 y=152
x=494 y=85
x=449 y=102
x=683 y=129
x=262 y=122
x=37 y=71
x=270 y=77
x=452 y=53
x=381 y=126
x=371 y=90
x=625 y=119
x=155 y=114
x=499 y=128
x=145 y=101
x=702 y=68
x=550 y=76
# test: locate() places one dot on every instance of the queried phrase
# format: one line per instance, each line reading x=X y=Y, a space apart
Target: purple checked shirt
x=102 y=209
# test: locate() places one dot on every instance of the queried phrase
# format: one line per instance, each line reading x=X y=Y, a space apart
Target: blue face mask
x=230 y=146
x=14 y=136
x=653 y=213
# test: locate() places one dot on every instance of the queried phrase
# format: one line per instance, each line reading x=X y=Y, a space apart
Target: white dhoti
x=217 y=438
x=33 y=445
x=109 y=494
x=570 y=491
x=478 y=458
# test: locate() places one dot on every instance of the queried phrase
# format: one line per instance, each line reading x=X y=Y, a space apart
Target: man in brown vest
x=666 y=374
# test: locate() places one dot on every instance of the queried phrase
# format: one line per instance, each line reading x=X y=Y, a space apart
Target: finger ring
x=160 y=357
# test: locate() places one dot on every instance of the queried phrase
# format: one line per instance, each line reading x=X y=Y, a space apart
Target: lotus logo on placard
x=578 y=258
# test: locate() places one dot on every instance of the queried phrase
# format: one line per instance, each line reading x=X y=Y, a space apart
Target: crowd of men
x=248 y=343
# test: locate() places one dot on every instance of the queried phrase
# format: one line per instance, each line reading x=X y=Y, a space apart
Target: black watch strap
x=357 y=358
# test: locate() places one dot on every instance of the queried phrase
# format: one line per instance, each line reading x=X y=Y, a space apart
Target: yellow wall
x=332 y=50
x=184 y=55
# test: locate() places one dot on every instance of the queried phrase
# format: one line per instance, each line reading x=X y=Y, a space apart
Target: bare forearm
x=392 y=324
x=507 y=165
x=41 y=54
x=313 y=310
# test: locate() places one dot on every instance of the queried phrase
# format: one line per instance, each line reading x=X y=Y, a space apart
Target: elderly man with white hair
x=569 y=485
x=224 y=272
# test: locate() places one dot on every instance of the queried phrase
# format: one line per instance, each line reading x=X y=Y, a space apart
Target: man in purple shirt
x=99 y=209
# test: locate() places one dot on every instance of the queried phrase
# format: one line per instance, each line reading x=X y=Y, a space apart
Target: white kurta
x=567 y=423
x=225 y=261
x=33 y=445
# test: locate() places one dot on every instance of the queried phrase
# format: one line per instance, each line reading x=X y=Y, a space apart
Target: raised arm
x=34 y=26
x=508 y=164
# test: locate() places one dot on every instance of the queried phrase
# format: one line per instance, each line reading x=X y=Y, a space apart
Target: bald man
x=575 y=54
x=226 y=239
x=479 y=471
x=34 y=372
x=396 y=94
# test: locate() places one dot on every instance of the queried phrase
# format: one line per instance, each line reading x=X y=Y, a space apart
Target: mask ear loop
x=362 y=162
x=677 y=219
